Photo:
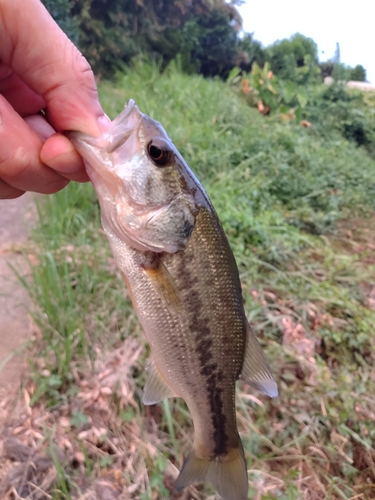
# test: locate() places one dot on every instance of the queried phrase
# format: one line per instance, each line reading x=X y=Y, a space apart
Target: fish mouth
x=116 y=135
x=122 y=127
x=104 y=152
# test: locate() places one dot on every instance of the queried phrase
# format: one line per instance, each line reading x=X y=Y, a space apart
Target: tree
x=210 y=43
x=341 y=72
x=204 y=32
x=326 y=68
x=294 y=59
x=60 y=10
x=358 y=73
x=251 y=51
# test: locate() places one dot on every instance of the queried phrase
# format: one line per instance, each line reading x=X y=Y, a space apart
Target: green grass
x=295 y=205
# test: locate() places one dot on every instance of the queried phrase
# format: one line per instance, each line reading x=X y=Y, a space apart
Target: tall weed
x=295 y=204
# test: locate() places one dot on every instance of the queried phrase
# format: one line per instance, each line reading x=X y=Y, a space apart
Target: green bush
x=263 y=90
x=294 y=59
x=335 y=108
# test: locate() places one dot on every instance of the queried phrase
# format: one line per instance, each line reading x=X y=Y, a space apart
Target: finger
x=8 y=192
x=59 y=153
x=18 y=94
x=48 y=62
x=40 y=126
x=20 y=165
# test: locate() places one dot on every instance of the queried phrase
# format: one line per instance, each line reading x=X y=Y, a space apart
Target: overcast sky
x=350 y=23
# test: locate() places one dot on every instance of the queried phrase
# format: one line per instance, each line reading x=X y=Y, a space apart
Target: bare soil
x=16 y=218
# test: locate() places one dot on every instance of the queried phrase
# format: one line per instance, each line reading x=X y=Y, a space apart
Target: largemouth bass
x=177 y=263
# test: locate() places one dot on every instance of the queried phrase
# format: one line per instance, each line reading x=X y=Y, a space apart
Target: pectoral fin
x=255 y=369
x=163 y=281
x=155 y=389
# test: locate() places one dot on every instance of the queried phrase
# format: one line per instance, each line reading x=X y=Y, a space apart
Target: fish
x=183 y=280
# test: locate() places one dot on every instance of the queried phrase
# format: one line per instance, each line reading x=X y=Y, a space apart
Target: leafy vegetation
x=205 y=36
x=334 y=108
x=294 y=59
x=263 y=90
x=296 y=203
x=203 y=32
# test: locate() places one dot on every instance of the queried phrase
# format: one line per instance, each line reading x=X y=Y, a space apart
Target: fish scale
x=183 y=280
x=177 y=358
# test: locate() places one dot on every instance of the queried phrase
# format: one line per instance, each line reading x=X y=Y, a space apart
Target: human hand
x=41 y=69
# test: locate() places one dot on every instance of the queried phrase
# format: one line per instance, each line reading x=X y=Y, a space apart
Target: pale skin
x=46 y=87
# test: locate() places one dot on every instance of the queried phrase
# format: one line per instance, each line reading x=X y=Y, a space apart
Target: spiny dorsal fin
x=255 y=369
x=155 y=389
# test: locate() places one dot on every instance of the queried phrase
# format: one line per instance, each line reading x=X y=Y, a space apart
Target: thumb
x=36 y=49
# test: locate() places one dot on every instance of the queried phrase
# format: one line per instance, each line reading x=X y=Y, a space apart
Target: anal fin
x=255 y=369
x=155 y=389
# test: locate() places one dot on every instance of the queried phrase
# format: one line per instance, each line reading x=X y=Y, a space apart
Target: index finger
x=33 y=45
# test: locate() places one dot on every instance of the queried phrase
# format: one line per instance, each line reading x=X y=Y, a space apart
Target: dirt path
x=16 y=218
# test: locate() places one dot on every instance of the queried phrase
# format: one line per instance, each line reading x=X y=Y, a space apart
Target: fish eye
x=159 y=152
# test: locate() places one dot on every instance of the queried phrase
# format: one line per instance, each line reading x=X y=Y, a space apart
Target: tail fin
x=227 y=474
